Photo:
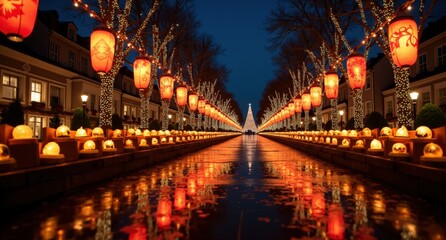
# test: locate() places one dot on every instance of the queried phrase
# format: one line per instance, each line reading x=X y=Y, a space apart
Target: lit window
x=36 y=92
x=126 y=110
x=422 y=63
x=10 y=86
x=389 y=106
x=368 y=82
x=441 y=55
x=35 y=123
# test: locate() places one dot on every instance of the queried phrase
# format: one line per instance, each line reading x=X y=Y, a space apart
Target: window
x=71 y=34
x=126 y=110
x=36 y=91
x=92 y=101
x=442 y=96
x=133 y=112
x=368 y=82
x=55 y=96
x=389 y=107
x=425 y=98
x=115 y=106
x=71 y=59
x=10 y=86
x=54 y=51
x=367 y=108
x=36 y=124
x=441 y=51
x=84 y=64
x=422 y=63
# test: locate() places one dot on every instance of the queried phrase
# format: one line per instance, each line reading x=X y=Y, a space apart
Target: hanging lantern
x=356 y=70
x=166 y=86
x=193 y=101
x=181 y=94
x=403 y=41
x=102 y=50
x=298 y=104
x=17 y=18
x=201 y=105
x=291 y=108
x=141 y=72
x=306 y=101
x=331 y=82
x=212 y=111
x=207 y=109
x=316 y=95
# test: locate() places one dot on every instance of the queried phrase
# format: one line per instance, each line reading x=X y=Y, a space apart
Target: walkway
x=246 y=188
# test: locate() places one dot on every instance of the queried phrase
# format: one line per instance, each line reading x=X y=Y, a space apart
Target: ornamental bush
x=376 y=120
x=431 y=116
x=14 y=115
x=77 y=120
x=117 y=122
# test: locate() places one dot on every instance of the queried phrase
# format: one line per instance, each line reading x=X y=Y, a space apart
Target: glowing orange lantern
x=356 y=71
x=181 y=94
x=164 y=213
x=298 y=104
x=191 y=186
x=141 y=72
x=316 y=95
x=201 y=105
x=291 y=108
x=335 y=222
x=331 y=82
x=318 y=204
x=306 y=101
x=193 y=101
x=207 y=109
x=17 y=18
x=403 y=41
x=102 y=50
x=179 y=198
x=212 y=112
x=166 y=86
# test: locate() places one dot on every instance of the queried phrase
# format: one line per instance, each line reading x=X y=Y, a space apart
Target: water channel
x=246 y=188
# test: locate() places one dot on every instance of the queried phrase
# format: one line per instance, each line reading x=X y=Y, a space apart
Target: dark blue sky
x=238 y=26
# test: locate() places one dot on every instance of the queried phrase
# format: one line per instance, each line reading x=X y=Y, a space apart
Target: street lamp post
x=414 y=97
x=341 y=113
x=84 y=98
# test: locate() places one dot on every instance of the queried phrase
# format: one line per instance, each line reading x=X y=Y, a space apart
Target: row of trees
x=313 y=35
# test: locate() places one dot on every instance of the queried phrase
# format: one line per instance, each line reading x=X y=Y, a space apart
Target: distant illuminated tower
x=249 y=123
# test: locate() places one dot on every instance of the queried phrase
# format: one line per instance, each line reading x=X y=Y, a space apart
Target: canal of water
x=246 y=188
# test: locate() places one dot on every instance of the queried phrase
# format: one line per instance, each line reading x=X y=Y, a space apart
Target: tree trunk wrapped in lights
x=319 y=118
x=334 y=114
x=403 y=101
x=356 y=71
x=307 y=120
x=358 y=108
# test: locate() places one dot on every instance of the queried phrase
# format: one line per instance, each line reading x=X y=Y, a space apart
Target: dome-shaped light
x=334 y=141
x=155 y=141
x=51 y=148
x=403 y=41
x=306 y=101
x=327 y=140
x=143 y=143
x=432 y=150
x=17 y=18
x=22 y=131
x=331 y=83
x=386 y=131
x=97 y=132
x=166 y=86
x=399 y=148
x=138 y=132
x=146 y=133
x=4 y=152
x=193 y=101
x=345 y=142
x=353 y=133
x=89 y=145
x=402 y=132
x=141 y=72
x=356 y=71
x=344 y=133
x=366 y=132
x=298 y=104
x=181 y=95
x=153 y=133
x=117 y=133
x=81 y=132
x=102 y=50
x=201 y=105
x=131 y=132
x=359 y=143
x=129 y=143
x=375 y=144
x=423 y=132
x=63 y=131
x=316 y=95
x=109 y=144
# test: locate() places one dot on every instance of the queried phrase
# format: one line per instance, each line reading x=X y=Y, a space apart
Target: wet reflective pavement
x=246 y=188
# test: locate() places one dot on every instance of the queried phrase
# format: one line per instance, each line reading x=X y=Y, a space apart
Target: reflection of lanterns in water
x=142 y=187
x=375 y=144
x=335 y=222
x=4 y=152
x=22 y=131
x=432 y=150
x=107 y=200
x=89 y=145
x=423 y=132
x=399 y=148
x=48 y=228
x=179 y=199
x=164 y=212
x=51 y=148
x=127 y=193
x=346 y=189
x=307 y=189
x=191 y=186
x=379 y=206
x=87 y=209
x=402 y=132
x=63 y=131
x=80 y=132
x=318 y=204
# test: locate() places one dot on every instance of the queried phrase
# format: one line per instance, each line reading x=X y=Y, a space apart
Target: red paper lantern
x=316 y=95
x=318 y=204
x=201 y=105
x=181 y=95
x=291 y=108
x=17 y=18
x=335 y=222
x=306 y=101
x=356 y=70
x=331 y=83
x=179 y=199
x=191 y=186
x=141 y=72
x=193 y=101
x=298 y=104
x=207 y=109
x=166 y=86
x=403 y=41
x=102 y=50
x=164 y=213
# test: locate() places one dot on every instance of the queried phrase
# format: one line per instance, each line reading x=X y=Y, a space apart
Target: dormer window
x=72 y=33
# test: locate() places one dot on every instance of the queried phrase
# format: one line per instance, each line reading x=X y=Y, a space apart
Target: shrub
x=117 y=122
x=350 y=124
x=14 y=114
x=328 y=125
x=77 y=120
x=154 y=125
x=55 y=121
x=431 y=116
x=376 y=120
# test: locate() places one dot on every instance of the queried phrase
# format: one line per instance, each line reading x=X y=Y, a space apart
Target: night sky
x=238 y=26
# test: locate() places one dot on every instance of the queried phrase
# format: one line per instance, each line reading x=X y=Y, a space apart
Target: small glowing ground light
x=97 y=132
x=81 y=132
x=376 y=147
x=155 y=141
x=131 y=132
x=402 y=132
x=143 y=143
x=89 y=148
x=22 y=132
x=345 y=144
x=6 y=162
x=423 y=132
x=108 y=147
x=399 y=150
x=366 y=132
x=129 y=145
x=433 y=155
x=334 y=142
x=386 y=132
x=63 y=131
x=117 y=133
x=51 y=154
x=359 y=146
